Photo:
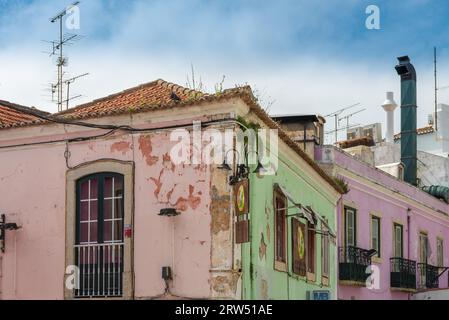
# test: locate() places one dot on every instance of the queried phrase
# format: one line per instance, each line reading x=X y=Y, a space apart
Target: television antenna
x=347 y=117
x=336 y=114
x=57 y=47
x=68 y=82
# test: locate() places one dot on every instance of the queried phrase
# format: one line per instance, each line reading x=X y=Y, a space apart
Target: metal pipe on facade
x=408 y=119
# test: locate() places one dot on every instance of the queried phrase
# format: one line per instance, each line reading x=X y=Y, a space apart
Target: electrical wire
x=116 y=128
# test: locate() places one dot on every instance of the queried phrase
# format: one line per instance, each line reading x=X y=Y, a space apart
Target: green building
x=292 y=252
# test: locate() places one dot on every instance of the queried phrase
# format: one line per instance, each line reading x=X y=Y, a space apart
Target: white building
x=431 y=141
x=433 y=147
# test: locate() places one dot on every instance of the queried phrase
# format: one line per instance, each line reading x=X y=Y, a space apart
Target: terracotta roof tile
x=419 y=131
x=157 y=94
x=153 y=94
x=14 y=115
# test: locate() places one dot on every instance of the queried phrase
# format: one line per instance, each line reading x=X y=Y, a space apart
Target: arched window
x=100 y=209
x=99 y=241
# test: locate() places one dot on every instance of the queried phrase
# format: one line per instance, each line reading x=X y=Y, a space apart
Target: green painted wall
x=266 y=282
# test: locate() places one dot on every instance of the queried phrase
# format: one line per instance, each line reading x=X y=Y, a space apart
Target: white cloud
x=144 y=41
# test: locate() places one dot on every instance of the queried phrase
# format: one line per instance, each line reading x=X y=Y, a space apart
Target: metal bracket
x=441 y=273
x=3 y=227
x=2 y=232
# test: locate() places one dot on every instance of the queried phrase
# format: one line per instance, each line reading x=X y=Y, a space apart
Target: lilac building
x=387 y=227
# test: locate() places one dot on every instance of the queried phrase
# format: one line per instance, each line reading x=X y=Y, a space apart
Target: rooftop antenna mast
x=68 y=82
x=336 y=114
x=58 y=45
x=347 y=117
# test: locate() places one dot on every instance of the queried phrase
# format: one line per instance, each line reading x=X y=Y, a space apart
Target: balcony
x=100 y=270
x=428 y=276
x=353 y=263
x=403 y=274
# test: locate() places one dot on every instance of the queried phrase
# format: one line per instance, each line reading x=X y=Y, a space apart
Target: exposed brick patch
x=121 y=146
x=146 y=148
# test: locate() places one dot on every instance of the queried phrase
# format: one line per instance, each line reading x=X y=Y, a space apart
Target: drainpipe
x=1 y=276
x=408 y=239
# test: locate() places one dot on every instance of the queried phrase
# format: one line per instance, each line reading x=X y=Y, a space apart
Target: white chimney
x=389 y=106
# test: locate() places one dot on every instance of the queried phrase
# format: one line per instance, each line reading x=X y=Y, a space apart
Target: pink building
x=97 y=189
x=407 y=228
x=95 y=197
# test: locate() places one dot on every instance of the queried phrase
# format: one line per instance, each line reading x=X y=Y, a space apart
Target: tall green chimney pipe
x=408 y=119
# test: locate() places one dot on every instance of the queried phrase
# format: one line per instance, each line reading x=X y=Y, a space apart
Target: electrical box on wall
x=166 y=273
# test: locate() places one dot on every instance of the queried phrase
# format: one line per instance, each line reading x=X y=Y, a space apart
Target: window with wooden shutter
x=280 y=227
x=311 y=235
x=325 y=252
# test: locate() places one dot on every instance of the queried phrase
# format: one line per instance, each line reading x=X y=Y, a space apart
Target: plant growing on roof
x=342 y=184
x=265 y=102
x=219 y=86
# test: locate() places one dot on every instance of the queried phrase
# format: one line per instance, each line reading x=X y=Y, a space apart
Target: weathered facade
x=271 y=275
x=290 y=255
x=97 y=188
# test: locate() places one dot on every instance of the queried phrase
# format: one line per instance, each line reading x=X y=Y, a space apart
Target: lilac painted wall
x=372 y=190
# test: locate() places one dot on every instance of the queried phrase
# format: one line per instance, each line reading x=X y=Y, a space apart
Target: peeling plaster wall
x=32 y=184
x=261 y=280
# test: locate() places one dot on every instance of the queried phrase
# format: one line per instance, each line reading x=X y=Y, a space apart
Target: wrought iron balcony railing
x=353 y=262
x=100 y=270
x=428 y=276
x=402 y=273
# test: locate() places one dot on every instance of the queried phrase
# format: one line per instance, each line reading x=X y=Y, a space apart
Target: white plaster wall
x=432 y=169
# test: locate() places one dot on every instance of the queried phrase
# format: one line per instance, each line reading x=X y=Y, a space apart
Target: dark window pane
x=107 y=209
x=118 y=187
x=93 y=232
x=94 y=188
x=118 y=212
x=84 y=234
x=108 y=187
x=107 y=231
x=84 y=190
x=118 y=230
x=84 y=209
x=113 y=230
x=94 y=210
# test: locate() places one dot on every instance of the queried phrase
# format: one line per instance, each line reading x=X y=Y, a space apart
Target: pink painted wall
x=368 y=199
x=32 y=185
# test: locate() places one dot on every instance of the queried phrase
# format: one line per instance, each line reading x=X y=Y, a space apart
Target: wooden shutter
x=311 y=248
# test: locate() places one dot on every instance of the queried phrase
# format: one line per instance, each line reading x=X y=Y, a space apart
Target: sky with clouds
x=304 y=56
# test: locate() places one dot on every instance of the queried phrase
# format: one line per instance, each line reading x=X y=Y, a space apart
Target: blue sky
x=306 y=56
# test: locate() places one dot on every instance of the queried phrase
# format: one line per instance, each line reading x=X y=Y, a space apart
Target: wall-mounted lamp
x=3 y=227
x=242 y=170
x=169 y=212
